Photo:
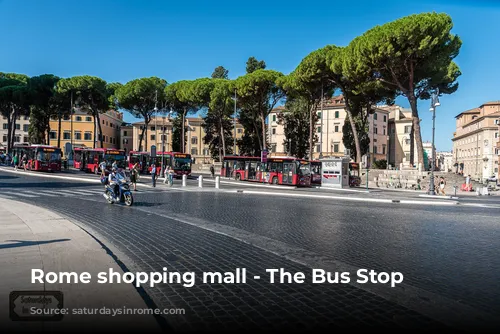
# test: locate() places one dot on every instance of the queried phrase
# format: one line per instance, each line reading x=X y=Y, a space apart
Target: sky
x=182 y=40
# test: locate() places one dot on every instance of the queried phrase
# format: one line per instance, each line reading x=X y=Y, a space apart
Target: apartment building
x=21 y=133
x=126 y=137
x=329 y=129
x=400 y=123
x=160 y=133
x=475 y=141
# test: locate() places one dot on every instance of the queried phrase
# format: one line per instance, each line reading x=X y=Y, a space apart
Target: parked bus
x=141 y=157
x=20 y=150
x=181 y=163
x=90 y=158
x=45 y=158
x=77 y=157
x=234 y=166
x=161 y=157
x=112 y=155
x=286 y=170
x=315 y=172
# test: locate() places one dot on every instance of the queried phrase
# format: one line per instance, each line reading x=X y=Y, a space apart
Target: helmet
x=113 y=169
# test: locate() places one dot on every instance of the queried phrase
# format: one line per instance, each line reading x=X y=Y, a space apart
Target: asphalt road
x=447 y=254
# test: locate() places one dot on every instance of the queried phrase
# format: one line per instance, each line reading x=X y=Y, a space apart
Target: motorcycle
x=126 y=197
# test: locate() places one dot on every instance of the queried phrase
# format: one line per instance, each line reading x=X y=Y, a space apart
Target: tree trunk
x=9 y=129
x=59 y=131
x=145 y=131
x=100 y=129
x=416 y=131
x=223 y=139
x=353 y=129
x=13 y=130
x=182 y=132
x=311 y=132
x=48 y=130
x=94 y=130
x=264 y=136
x=141 y=137
x=257 y=134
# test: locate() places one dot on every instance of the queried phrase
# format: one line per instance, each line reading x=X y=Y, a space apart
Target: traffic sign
x=263 y=156
x=153 y=151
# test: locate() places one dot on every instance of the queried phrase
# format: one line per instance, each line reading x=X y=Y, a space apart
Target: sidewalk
x=35 y=238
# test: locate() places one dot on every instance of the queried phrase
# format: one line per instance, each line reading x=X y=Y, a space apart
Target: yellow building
x=194 y=134
x=83 y=129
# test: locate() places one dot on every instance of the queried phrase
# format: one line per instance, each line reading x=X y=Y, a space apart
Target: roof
x=470 y=111
x=491 y=103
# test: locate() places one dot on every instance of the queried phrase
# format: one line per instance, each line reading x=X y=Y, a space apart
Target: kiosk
x=335 y=172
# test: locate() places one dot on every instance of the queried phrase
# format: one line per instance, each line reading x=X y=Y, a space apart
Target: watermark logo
x=36 y=305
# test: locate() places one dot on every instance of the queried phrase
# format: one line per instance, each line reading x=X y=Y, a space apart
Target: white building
x=21 y=133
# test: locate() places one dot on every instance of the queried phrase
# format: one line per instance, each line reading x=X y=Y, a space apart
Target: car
x=493 y=178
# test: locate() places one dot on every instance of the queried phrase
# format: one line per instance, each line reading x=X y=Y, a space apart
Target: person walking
x=25 y=162
x=102 y=167
x=212 y=170
x=16 y=161
x=133 y=175
x=442 y=185
x=153 y=174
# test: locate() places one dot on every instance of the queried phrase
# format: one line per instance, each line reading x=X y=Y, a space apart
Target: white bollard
x=200 y=181
x=217 y=182
x=184 y=180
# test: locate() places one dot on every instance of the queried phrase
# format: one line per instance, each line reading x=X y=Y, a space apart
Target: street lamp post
x=321 y=126
x=434 y=103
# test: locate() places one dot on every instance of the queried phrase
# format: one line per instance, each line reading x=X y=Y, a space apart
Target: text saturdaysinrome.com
x=239 y=276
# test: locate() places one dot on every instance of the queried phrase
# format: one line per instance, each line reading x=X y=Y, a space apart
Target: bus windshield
x=120 y=159
x=182 y=163
x=303 y=168
x=50 y=155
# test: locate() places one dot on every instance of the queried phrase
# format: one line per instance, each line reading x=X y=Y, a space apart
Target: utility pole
x=71 y=125
x=321 y=126
x=434 y=103
x=234 y=121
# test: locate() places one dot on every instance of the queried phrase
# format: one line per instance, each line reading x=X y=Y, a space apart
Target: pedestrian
x=25 y=162
x=212 y=170
x=133 y=175
x=102 y=167
x=153 y=174
x=442 y=185
x=16 y=161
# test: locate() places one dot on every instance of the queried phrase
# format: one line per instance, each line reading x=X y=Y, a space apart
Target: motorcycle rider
x=114 y=182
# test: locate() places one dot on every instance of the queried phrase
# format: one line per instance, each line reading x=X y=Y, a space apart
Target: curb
x=342 y=189
x=356 y=199
x=252 y=184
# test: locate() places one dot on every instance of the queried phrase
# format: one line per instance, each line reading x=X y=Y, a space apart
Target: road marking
x=41 y=192
x=24 y=195
x=66 y=193
x=440 y=308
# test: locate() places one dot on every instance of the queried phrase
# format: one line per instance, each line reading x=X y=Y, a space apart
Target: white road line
x=41 y=192
x=66 y=193
x=90 y=192
x=25 y=195
x=446 y=310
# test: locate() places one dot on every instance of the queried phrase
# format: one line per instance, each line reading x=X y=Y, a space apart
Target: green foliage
x=220 y=73
x=295 y=120
x=380 y=164
x=253 y=65
x=363 y=137
x=140 y=97
x=258 y=93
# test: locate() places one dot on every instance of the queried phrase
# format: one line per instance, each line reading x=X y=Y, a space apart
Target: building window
x=26 y=118
x=385 y=118
x=26 y=127
x=375 y=149
x=103 y=122
x=152 y=128
x=107 y=123
x=336 y=128
x=194 y=140
x=194 y=151
x=18 y=126
x=274 y=131
x=66 y=135
x=319 y=129
x=374 y=116
x=240 y=130
x=319 y=114
x=17 y=139
x=66 y=117
x=274 y=118
x=337 y=114
x=53 y=135
x=205 y=151
x=407 y=128
x=26 y=139
x=125 y=133
x=78 y=118
x=273 y=148
x=153 y=137
x=163 y=137
x=4 y=138
x=383 y=131
x=318 y=148
x=376 y=131
x=125 y=141
x=88 y=119
x=78 y=135
x=497 y=121
x=383 y=149
x=5 y=126
x=336 y=147
x=87 y=136
x=496 y=134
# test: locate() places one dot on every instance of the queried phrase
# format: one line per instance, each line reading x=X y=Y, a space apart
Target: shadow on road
x=6 y=177
x=45 y=184
x=22 y=243
x=146 y=204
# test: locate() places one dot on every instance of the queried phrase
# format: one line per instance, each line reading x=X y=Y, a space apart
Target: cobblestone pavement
x=448 y=256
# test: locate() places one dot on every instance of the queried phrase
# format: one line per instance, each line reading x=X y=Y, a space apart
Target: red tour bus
x=45 y=158
x=280 y=170
x=90 y=158
x=141 y=157
x=158 y=160
x=77 y=157
x=234 y=166
x=315 y=172
x=181 y=163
